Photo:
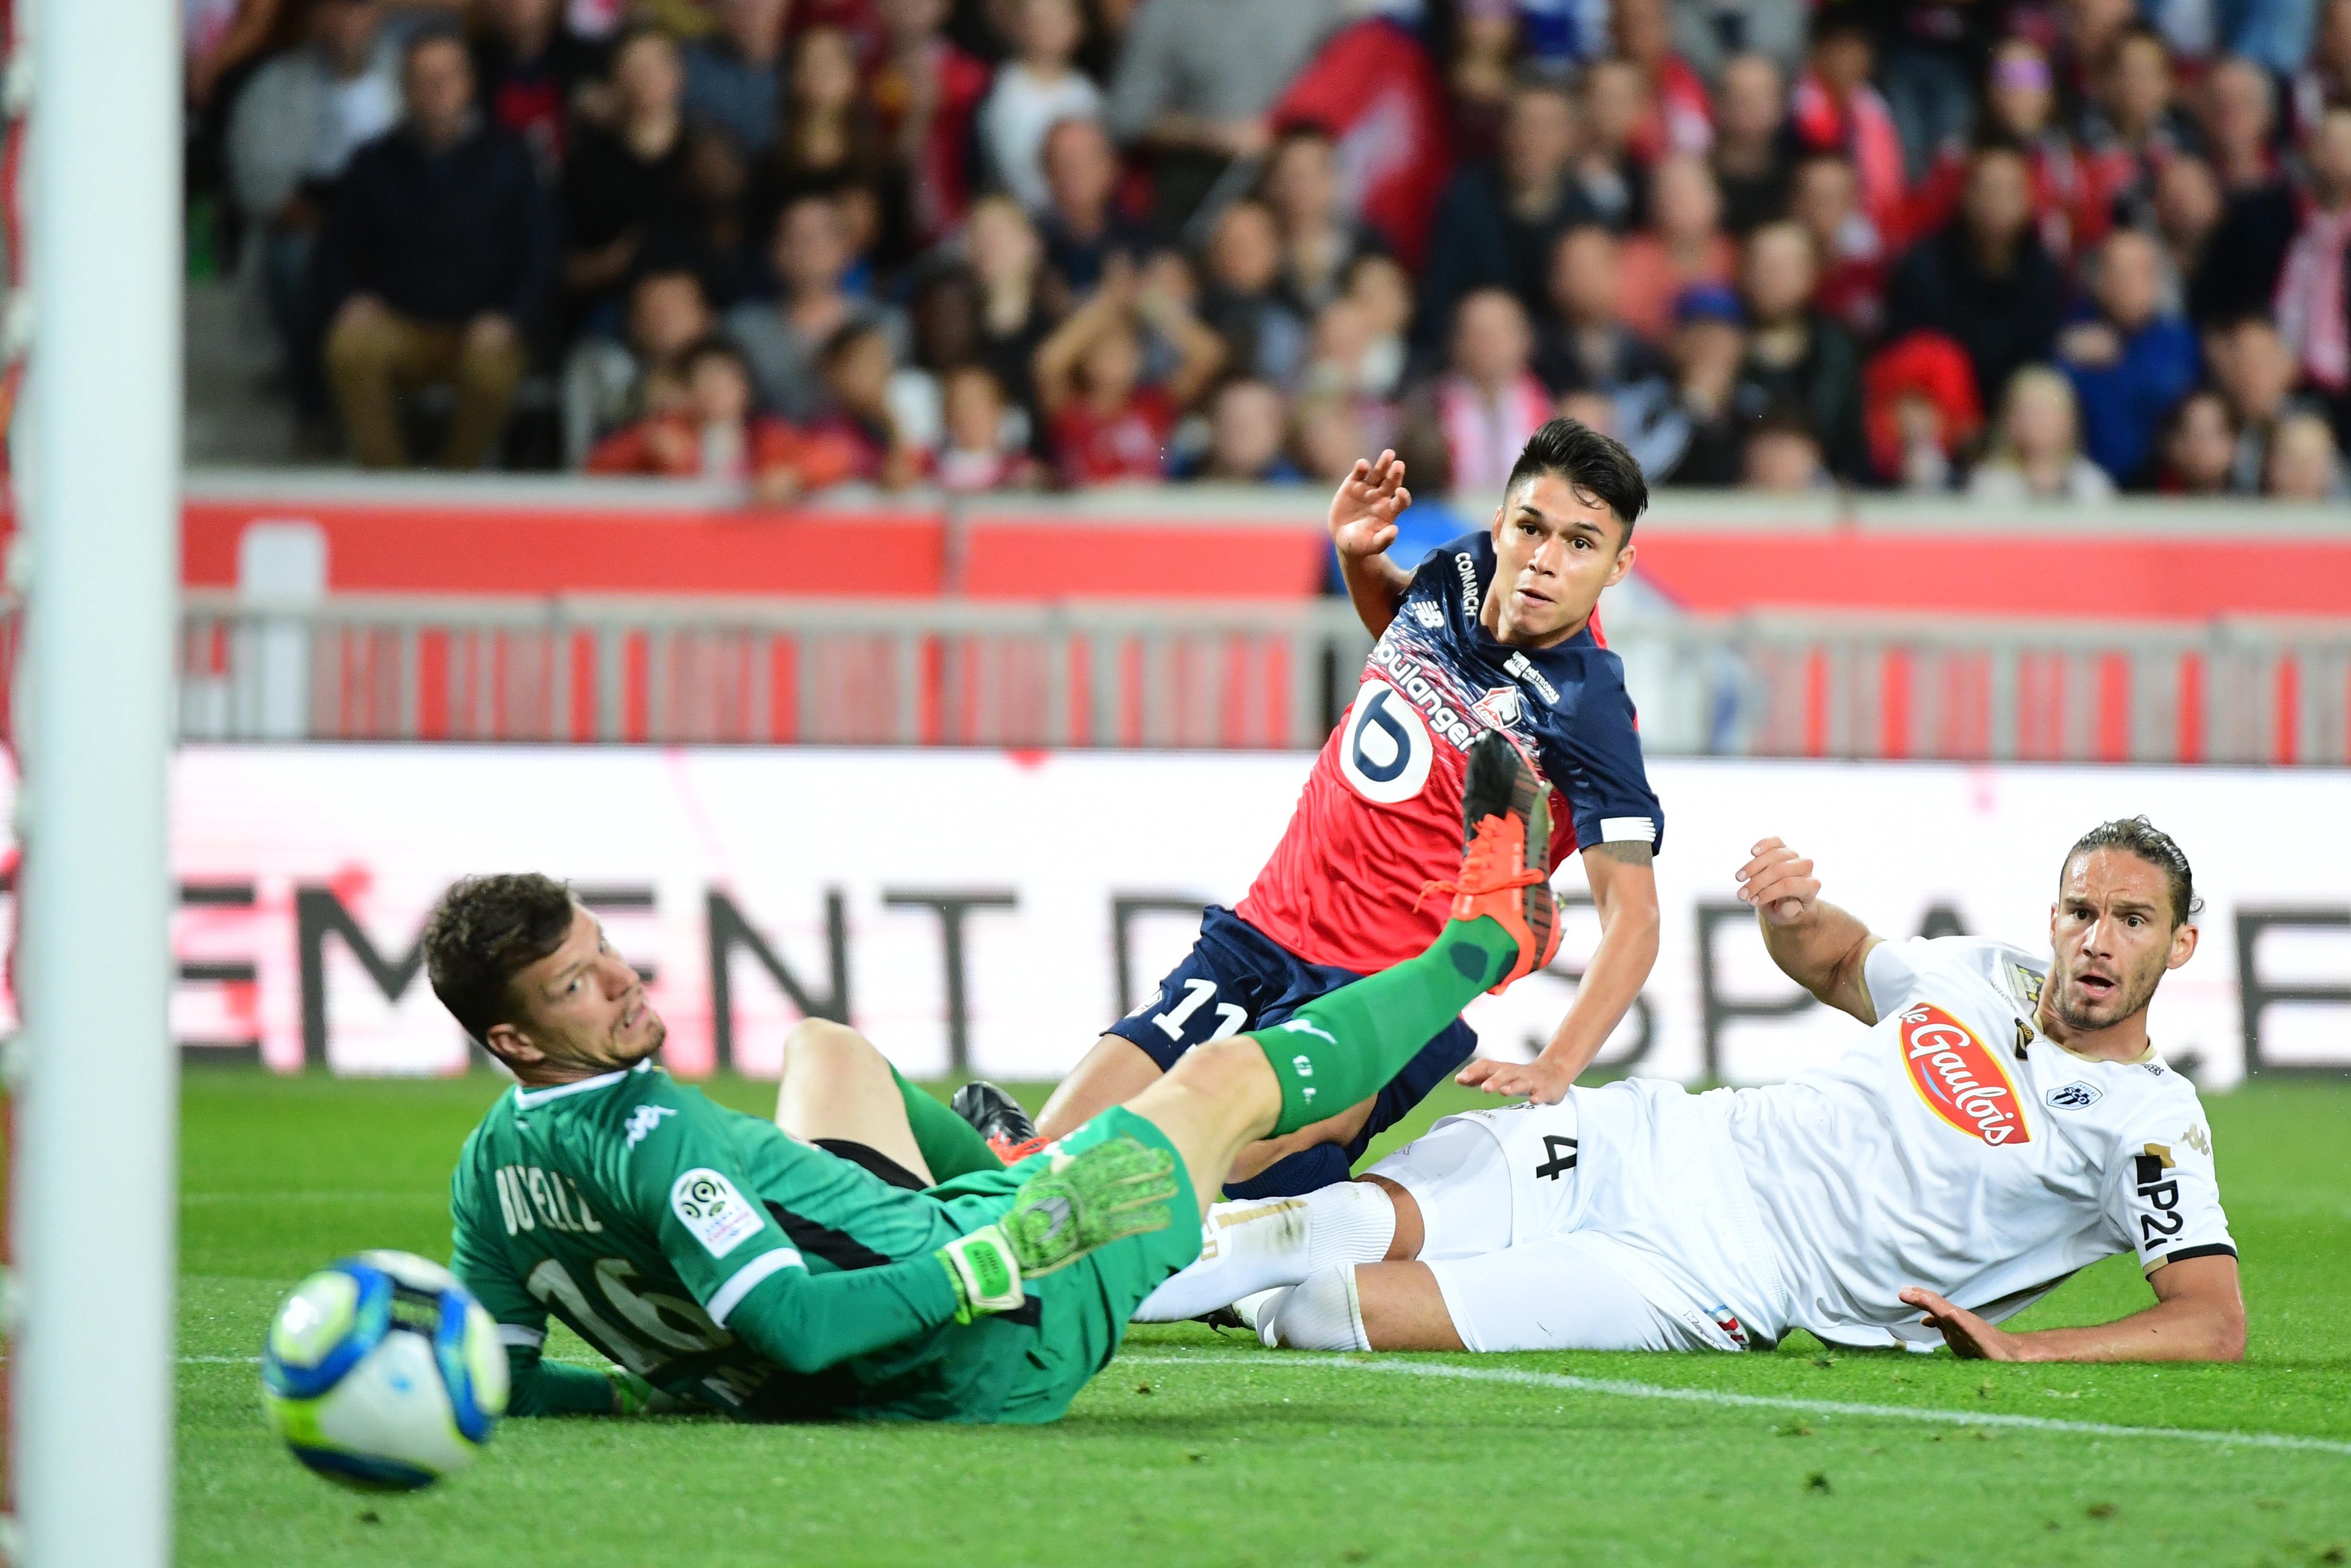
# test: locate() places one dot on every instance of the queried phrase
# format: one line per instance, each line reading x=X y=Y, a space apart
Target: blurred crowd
x=2014 y=249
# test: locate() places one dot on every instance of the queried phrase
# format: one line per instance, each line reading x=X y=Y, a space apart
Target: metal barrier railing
x=1259 y=675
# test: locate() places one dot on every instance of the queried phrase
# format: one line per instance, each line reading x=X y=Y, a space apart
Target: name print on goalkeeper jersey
x=1381 y=812
x=660 y=1226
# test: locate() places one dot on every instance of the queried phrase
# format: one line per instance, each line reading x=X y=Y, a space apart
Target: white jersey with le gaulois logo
x=1955 y=1148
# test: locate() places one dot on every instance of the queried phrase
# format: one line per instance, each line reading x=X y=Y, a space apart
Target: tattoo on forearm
x=1631 y=852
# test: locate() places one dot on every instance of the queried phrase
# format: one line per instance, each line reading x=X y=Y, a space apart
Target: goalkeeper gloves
x=632 y=1395
x=1118 y=1188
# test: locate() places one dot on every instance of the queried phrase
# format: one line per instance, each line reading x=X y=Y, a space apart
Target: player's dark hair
x=1593 y=465
x=2137 y=836
x=485 y=931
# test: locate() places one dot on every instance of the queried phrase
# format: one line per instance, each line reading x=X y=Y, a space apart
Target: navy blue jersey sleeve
x=1596 y=761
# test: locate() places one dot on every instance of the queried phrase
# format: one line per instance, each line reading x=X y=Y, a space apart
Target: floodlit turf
x=1194 y=1450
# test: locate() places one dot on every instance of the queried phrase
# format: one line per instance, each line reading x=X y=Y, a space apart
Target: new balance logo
x=1429 y=614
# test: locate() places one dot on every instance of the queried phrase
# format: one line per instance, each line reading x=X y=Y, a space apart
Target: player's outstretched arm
x=1362 y=525
x=2198 y=1315
x=1815 y=943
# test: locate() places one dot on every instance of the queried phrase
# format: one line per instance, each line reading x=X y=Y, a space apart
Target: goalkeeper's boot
x=1505 y=875
x=997 y=1118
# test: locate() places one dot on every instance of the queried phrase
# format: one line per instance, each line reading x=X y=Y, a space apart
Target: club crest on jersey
x=1960 y=1079
x=1499 y=707
x=2074 y=1096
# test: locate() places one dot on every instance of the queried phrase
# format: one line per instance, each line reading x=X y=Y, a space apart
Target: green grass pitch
x=1192 y=1450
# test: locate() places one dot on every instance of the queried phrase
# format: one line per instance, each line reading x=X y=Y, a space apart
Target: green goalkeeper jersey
x=724 y=1261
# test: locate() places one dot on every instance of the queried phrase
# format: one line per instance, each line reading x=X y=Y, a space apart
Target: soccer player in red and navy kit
x=1493 y=631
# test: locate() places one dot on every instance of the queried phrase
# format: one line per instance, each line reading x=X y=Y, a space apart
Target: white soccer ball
x=382 y=1373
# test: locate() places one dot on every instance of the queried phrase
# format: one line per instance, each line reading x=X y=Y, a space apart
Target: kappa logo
x=1499 y=707
x=2073 y=1097
x=643 y=1119
x=1960 y=1079
x=1428 y=612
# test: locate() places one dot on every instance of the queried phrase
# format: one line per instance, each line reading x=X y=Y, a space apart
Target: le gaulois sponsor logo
x=1960 y=1079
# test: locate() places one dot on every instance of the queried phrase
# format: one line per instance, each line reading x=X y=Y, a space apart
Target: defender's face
x=2113 y=938
x=583 y=1008
x=1555 y=549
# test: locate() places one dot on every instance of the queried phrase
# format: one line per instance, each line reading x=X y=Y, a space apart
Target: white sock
x=1254 y=1310
x=1325 y=1312
x=1255 y=1244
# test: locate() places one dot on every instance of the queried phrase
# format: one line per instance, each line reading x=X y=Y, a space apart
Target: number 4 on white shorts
x=1230 y=1017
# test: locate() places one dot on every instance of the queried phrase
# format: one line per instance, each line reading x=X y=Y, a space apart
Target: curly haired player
x=2005 y=1121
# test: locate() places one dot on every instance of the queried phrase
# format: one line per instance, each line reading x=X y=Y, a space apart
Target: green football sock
x=951 y=1146
x=1343 y=1048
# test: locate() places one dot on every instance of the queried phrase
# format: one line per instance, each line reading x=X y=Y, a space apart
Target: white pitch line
x=1619 y=1388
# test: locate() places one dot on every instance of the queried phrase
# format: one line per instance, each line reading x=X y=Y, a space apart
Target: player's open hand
x=1537 y=1080
x=1970 y=1337
x=1780 y=882
x=1363 y=513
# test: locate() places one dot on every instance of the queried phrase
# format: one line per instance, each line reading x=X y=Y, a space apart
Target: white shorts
x=1543 y=1237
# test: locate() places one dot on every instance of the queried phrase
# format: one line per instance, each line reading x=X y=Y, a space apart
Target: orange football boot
x=1504 y=869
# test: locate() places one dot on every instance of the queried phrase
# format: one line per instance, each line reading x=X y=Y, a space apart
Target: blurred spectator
x=2075 y=209
x=608 y=381
x=732 y=77
x=1264 y=337
x=436 y=262
x=2036 y=454
x=1798 y=361
x=784 y=341
x=533 y=72
x=1680 y=114
x=1711 y=33
x=2303 y=463
x=1247 y=428
x=827 y=138
x=984 y=448
x=1485 y=46
x=2312 y=290
x=1709 y=343
x=292 y=133
x=1922 y=413
x=2187 y=214
x=2273 y=33
x=1035 y=90
x=2255 y=368
x=858 y=420
x=2324 y=78
x=1750 y=150
x=713 y=434
x=1586 y=344
x=1612 y=183
x=1378 y=288
x=2134 y=123
x=926 y=97
x=2257 y=222
x=1327 y=436
x=2199 y=446
x=1107 y=423
x=1984 y=279
x=1320 y=240
x=1498 y=221
x=719 y=243
x=624 y=188
x=1198 y=78
x=1851 y=290
x=1836 y=111
x=1488 y=403
x=1684 y=244
x=1006 y=261
x=1783 y=458
x=2130 y=359
x=1933 y=50
x=1083 y=229
x=2088 y=31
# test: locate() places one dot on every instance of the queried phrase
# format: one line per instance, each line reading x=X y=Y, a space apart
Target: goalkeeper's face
x=583 y=1008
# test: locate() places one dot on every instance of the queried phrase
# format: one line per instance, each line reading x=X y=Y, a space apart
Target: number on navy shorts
x=1230 y=1017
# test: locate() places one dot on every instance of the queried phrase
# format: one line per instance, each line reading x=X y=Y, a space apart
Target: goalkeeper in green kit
x=865 y=1254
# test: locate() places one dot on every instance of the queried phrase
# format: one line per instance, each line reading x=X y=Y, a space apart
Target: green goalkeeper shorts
x=1083 y=1308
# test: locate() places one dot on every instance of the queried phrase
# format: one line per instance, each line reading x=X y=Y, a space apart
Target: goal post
x=98 y=484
